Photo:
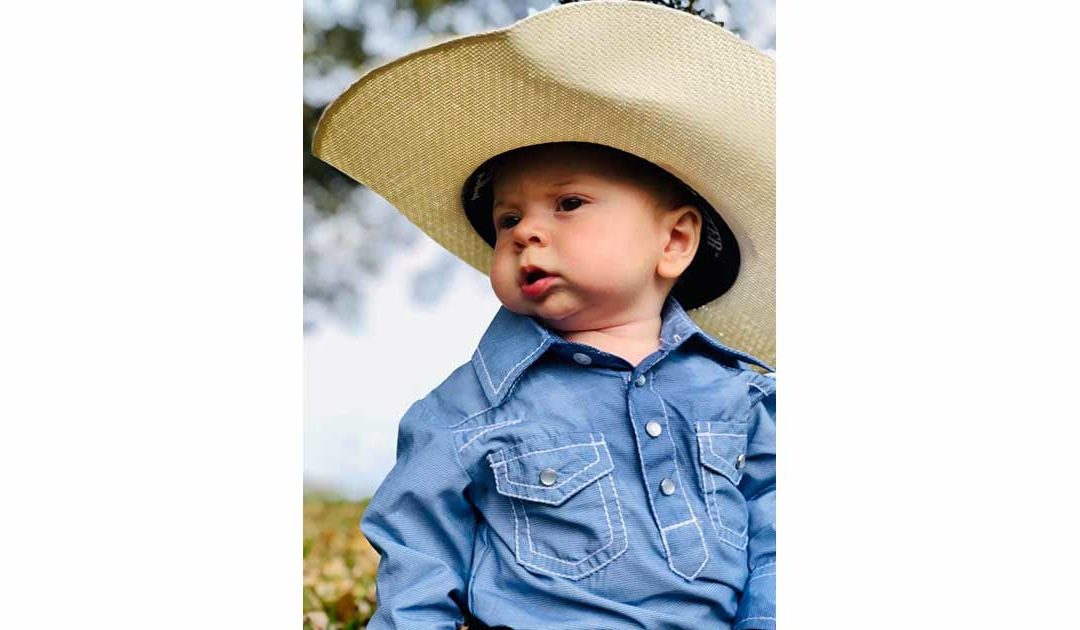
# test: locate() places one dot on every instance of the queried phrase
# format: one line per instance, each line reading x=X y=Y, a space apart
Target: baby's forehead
x=553 y=166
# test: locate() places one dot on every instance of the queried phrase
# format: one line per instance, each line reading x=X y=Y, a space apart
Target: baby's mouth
x=531 y=275
x=535 y=282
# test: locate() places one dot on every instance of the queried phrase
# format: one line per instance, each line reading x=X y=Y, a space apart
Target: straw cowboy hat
x=667 y=86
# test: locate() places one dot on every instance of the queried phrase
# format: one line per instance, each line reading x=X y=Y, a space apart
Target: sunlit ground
x=339 y=566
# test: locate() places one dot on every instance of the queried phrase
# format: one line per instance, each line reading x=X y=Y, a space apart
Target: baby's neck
x=633 y=340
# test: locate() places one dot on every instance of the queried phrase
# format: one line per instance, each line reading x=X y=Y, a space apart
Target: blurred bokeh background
x=388 y=313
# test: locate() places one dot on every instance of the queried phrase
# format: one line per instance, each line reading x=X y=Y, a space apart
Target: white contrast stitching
x=712 y=450
x=730 y=471
x=513 y=386
x=485 y=430
x=532 y=549
x=503 y=381
x=557 y=448
x=710 y=497
x=506 y=469
x=511 y=493
x=483 y=364
x=712 y=505
x=470 y=417
x=686 y=522
x=618 y=510
x=760 y=576
x=678 y=475
x=517 y=535
x=549 y=571
x=667 y=552
x=611 y=534
x=741 y=535
x=645 y=472
x=720 y=518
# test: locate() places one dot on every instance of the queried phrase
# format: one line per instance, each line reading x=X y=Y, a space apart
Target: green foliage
x=424 y=8
x=681 y=5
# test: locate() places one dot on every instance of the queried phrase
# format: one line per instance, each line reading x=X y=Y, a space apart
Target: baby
x=602 y=461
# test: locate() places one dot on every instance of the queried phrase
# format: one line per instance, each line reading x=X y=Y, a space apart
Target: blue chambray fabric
x=529 y=489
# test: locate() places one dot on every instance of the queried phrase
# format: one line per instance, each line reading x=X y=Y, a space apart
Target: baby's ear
x=682 y=232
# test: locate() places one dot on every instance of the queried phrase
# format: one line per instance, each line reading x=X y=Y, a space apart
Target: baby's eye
x=566 y=200
x=507 y=221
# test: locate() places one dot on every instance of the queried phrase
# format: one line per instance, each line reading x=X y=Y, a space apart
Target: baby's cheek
x=502 y=281
x=498 y=278
x=617 y=264
x=600 y=253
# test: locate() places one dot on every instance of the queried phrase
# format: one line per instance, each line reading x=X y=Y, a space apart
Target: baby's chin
x=544 y=310
x=557 y=313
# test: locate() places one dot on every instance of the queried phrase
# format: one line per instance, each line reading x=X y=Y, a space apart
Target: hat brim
x=667 y=86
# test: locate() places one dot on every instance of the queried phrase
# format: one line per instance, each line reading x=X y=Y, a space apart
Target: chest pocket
x=567 y=518
x=722 y=450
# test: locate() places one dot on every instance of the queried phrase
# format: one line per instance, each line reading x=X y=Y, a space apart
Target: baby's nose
x=530 y=232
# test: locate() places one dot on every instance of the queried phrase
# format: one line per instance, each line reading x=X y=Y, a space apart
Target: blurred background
x=388 y=313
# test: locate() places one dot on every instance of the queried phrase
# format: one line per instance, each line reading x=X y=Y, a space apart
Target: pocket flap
x=550 y=469
x=722 y=447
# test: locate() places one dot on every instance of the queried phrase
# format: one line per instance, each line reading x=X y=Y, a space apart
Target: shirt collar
x=513 y=342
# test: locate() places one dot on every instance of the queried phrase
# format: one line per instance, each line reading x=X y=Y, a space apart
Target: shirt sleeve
x=422 y=524
x=757 y=608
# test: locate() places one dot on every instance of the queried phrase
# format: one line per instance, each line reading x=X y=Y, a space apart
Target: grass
x=339 y=566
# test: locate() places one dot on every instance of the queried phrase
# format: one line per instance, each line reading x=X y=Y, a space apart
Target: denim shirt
x=551 y=485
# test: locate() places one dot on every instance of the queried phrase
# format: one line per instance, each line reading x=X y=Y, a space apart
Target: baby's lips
x=540 y=287
x=532 y=270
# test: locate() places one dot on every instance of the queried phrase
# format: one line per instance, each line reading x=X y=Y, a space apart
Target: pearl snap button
x=667 y=486
x=653 y=428
x=582 y=358
x=640 y=380
x=547 y=476
x=740 y=461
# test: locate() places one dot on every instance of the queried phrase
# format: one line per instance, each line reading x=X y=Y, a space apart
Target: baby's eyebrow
x=550 y=186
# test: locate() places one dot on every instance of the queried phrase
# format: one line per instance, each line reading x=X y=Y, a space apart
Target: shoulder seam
x=448 y=437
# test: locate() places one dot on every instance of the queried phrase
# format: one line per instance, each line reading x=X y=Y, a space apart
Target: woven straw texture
x=668 y=86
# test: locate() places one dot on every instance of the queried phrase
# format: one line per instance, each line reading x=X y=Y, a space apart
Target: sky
x=357 y=386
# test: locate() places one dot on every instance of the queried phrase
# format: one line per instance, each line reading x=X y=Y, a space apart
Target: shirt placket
x=665 y=478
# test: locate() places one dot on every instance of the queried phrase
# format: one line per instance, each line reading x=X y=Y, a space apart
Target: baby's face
x=576 y=245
